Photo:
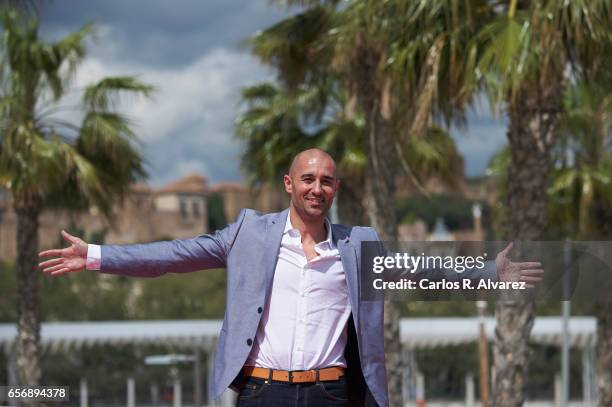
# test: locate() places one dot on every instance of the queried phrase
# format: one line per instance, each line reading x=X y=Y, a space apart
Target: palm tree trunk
x=533 y=118
x=350 y=203
x=379 y=196
x=28 y=318
x=379 y=203
x=604 y=354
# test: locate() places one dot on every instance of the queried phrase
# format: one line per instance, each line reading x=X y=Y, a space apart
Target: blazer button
x=249 y=341
x=259 y=310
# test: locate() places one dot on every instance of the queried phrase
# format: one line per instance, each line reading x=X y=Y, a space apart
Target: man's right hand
x=68 y=260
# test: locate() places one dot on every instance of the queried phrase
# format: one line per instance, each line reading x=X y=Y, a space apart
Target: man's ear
x=287 y=182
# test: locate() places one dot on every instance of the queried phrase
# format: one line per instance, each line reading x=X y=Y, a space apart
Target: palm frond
x=507 y=57
x=297 y=46
x=106 y=94
x=500 y=163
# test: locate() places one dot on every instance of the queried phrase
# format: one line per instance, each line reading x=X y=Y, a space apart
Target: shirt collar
x=293 y=232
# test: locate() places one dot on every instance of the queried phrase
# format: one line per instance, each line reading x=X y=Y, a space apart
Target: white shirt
x=303 y=325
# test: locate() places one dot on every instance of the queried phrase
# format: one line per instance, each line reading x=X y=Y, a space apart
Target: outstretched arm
x=151 y=259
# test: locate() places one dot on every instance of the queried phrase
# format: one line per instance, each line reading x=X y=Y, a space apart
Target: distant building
x=237 y=196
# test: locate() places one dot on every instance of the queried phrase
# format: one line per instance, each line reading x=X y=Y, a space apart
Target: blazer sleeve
x=176 y=256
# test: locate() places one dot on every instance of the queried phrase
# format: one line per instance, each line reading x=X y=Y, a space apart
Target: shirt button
x=249 y=341
x=259 y=310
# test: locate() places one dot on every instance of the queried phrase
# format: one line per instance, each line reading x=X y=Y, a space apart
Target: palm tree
x=581 y=193
x=582 y=184
x=46 y=161
x=529 y=53
x=403 y=68
x=401 y=65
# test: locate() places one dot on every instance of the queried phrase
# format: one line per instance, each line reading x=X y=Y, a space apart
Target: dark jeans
x=256 y=392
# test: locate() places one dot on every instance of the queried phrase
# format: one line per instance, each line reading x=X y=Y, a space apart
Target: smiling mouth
x=314 y=201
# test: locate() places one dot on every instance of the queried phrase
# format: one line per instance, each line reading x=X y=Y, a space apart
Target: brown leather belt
x=296 y=376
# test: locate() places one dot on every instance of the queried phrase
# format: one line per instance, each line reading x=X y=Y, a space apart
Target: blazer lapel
x=348 y=257
x=275 y=226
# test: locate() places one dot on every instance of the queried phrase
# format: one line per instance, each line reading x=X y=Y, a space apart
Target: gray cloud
x=162 y=32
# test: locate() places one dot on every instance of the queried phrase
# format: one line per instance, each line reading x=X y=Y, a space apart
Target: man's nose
x=316 y=188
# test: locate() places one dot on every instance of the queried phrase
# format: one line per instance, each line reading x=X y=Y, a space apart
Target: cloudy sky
x=193 y=52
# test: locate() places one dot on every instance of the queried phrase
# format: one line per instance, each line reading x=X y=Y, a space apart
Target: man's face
x=312 y=184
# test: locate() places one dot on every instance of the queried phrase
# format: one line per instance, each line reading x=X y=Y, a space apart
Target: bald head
x=312 y=184
x=309 y=157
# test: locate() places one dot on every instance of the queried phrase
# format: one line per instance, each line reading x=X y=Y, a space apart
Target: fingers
x=51 y=253
x=60 y=271
x=507 y=249
x=49 y=263
x=54 y=268
x=68 y=237
x=530 y=265
x=531 y=275
x=534 y=273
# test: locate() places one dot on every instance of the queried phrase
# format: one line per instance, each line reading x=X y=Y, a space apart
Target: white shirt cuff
x=94 y=257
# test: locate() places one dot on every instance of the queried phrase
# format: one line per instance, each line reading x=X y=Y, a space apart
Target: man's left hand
x=529 y=272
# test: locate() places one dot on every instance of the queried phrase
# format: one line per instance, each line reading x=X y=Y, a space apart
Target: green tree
x=48 y=162
x=581 y=187
x=581 y=192
x=580 y=195
x=529 y=53
x=215 y=211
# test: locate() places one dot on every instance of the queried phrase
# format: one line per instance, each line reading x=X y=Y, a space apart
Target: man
x=295 y=331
